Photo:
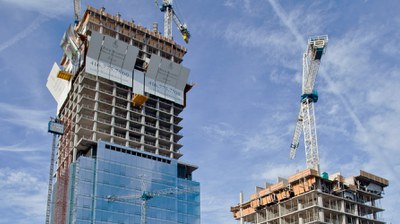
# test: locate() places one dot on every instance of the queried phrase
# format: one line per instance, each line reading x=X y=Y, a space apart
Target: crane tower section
x=306 y=118
x=169 y=15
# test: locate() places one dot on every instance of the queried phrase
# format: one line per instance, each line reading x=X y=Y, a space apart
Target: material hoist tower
x=55 y=127
x=306 y=119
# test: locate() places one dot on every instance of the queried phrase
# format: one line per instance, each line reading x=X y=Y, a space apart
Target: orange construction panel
x=255 y=203
x=277 y=186
x=138 y=100
x=267 y=200
x=302 y=174
x=264 y=192
x=283 y=195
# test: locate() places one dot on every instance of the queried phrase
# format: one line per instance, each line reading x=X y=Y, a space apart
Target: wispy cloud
x=21 y=147
x=287 y=22
x=220 y=131
x=269 y=134
x=46 y=7
x=24 y=194
x=31 y=119
x=24 y=33
x=272 y=171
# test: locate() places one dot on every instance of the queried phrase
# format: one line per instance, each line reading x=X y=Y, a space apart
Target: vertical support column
x=96 y=108
x=74 y=139
x=118 y=27
x=157 y=106
x=241 y=207
x=321 y=214
x=113 y=113
x=142 y=128
x=74 y=120
x=128 y=117
x=300 y=207
x=342 y=209
x=280 y=212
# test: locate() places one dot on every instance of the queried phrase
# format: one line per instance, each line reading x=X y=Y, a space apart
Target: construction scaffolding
x=306 y=197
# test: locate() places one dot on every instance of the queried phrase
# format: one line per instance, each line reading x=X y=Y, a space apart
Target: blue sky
x=245 y=58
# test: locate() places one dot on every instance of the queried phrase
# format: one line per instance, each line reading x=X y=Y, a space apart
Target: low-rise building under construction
x=307 y=197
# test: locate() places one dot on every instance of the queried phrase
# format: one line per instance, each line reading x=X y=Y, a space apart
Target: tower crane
x=145 y=196
x=169 y=15
x=306 y=118
x=77 y=10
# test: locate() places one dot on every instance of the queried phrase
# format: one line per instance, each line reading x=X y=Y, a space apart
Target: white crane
x=77 y=10
x=145 y=196
x=169 y=15
x=306 y=119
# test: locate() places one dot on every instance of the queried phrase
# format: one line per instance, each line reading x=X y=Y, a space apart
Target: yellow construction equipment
x=64 y=75
x=138 y=100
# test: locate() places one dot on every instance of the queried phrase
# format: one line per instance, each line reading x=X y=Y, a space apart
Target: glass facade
x=118 y=171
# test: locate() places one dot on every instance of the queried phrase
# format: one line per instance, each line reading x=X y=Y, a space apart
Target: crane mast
x=77 y=10
x=169 y=16
x=167 y=9
x=306 y=118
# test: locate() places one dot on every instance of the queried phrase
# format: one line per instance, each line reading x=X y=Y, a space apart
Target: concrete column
x=319 y=200
x=299 y=206
x=321 y=211
x=241 y=208
x=118 y=29
x=301 y=221
x=356 y=209
x=321 y=215
x=342 y=206
x=342 y=220
x=101 y=28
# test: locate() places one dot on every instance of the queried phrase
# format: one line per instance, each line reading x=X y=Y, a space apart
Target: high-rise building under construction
x=120 y=91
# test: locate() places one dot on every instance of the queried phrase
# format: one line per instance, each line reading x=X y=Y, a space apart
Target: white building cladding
x=107 y=62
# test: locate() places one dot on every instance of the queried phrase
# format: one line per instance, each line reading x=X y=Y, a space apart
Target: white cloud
x=30 y=119
x=272 y=171
x=24 y=194
x=269 y=43
x=229 y=3
x=24 y=33
x=287 y=21
x=220 y=131
x=21 y=147
x=269 y=134
x=50 y=8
